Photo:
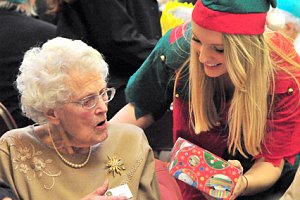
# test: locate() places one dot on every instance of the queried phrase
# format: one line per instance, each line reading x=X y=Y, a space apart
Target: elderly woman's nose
x=101 y=106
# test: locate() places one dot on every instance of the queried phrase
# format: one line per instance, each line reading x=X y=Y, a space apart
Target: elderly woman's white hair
x=26 y=6
x=43 y=73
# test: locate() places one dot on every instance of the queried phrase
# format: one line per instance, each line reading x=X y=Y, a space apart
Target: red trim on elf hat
x=231 y=23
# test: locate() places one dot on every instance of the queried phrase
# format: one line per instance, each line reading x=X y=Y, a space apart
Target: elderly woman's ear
x=52 y=116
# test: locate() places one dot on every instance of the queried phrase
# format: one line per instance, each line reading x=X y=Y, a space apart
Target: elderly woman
x=72 y=152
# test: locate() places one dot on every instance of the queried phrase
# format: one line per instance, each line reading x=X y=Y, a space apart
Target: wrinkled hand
x=241 y=184
x=98 y=194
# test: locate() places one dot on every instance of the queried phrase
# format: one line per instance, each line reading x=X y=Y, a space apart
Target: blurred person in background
x=18 y=32
x=42 y=11
x=291 y=11
x=125 y=32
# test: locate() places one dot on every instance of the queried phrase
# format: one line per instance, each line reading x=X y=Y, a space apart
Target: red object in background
x=203 y=170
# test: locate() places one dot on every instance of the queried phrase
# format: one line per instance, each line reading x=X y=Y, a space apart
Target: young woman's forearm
x=261 y=176
x=127 y=115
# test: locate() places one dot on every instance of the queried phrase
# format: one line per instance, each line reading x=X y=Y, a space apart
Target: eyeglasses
x=90 y=102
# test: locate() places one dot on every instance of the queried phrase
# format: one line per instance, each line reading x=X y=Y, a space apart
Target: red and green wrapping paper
x=202 y=169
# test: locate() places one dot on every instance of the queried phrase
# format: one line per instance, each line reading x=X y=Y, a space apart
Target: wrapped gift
x=203 y=170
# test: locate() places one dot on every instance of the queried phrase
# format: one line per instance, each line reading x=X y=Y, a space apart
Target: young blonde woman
x=237 y=95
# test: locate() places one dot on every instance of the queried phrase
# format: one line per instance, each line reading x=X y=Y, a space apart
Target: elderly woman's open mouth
x=101 y=124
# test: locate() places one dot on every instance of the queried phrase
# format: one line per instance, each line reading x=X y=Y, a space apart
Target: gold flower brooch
x=115 y=165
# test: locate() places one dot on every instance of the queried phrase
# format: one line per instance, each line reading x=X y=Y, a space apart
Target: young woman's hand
x=242 y=183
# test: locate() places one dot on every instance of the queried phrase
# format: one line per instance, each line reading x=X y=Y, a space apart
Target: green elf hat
x=234 y=16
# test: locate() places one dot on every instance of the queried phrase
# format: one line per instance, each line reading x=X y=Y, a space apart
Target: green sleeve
x=150 y=89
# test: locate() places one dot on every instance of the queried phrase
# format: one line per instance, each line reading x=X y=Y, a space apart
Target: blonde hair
x=252 y=73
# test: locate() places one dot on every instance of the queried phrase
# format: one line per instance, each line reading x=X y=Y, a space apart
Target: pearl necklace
x=74 y=165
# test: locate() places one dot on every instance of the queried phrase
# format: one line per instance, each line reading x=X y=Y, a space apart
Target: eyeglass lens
x=106 y=96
